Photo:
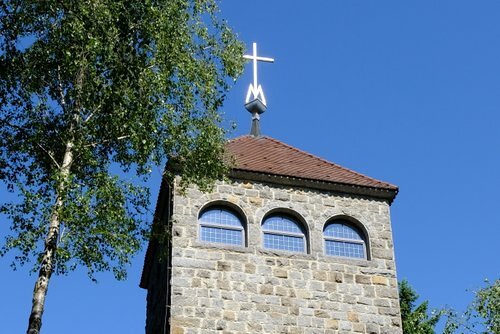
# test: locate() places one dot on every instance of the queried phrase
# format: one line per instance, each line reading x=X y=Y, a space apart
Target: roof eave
x=388 y=194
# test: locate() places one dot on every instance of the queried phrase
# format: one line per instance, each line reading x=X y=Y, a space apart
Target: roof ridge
x=241 y=137
x=325 y=161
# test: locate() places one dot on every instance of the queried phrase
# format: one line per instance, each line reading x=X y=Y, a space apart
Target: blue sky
x=404 y=91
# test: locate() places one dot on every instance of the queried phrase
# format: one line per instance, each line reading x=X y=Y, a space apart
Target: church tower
x=291 y=243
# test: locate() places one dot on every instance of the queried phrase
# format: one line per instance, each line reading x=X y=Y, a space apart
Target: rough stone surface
x=226 y=289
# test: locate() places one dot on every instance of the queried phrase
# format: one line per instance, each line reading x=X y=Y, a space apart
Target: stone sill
x=286 y=255
x=237 y=249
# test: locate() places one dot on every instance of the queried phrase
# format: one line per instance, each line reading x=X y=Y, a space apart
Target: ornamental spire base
x=255 y=131
x=255 y=107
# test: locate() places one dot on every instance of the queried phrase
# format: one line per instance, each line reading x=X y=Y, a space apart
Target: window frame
x=222 y=207
x=359 y=231
x=301 y=226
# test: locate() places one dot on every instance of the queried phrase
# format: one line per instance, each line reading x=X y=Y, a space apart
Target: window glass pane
x=281 y=224
x=220 y=225
x=343 y=231
x=220 y=217
x=284 y=242
x=342 y=248
x=221 y=235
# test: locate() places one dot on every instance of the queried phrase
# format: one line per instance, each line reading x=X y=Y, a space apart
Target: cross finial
x=255 y=101
x=255 y=89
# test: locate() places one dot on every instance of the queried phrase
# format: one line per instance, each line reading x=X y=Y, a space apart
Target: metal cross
x=255 y=89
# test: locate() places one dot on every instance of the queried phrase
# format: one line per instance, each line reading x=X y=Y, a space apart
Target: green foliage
x=487 y=306
x=481 y=316
x=416 y=319
x=112 y=86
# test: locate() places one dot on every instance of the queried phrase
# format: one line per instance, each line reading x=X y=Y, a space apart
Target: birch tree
x=92 y=91
x=482 y=315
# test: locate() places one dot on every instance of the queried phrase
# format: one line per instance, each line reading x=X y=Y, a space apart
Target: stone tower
x=290 y=244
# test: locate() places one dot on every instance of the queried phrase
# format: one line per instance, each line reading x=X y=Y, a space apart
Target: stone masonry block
x=379 y=280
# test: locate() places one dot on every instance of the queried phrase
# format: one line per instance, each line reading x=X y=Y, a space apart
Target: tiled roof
x=271 y=156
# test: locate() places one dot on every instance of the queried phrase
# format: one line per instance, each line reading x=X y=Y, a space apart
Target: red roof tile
x=270 y=156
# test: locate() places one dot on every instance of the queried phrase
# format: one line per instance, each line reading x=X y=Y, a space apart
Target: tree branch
x=61 y=90
x=106 y=141
x=50 y=155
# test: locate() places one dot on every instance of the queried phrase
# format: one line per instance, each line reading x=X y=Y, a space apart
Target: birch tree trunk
x=47 y=263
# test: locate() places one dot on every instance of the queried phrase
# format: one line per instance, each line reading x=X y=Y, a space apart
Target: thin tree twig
x=88 y=117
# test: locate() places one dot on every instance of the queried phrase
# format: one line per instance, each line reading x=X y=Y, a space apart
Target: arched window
x=342 y=238
x=283 y=232
x=221 y=225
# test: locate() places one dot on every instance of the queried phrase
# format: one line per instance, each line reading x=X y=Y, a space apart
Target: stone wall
x=225 y=289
